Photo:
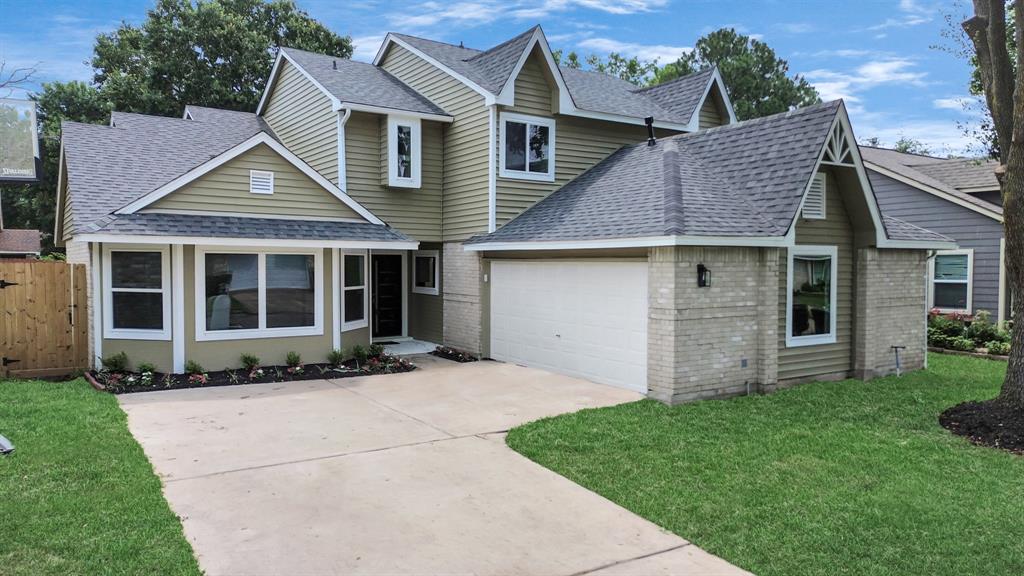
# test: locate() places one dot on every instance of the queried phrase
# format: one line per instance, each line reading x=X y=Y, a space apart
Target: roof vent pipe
x=649 y=121
x=334 y=63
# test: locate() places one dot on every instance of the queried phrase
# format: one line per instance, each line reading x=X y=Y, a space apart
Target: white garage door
x=585 y=319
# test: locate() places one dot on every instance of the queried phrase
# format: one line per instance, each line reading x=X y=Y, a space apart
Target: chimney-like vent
x=334 y=63
x=649 y=121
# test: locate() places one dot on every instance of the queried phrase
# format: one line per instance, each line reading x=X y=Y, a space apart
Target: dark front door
x=387 y=295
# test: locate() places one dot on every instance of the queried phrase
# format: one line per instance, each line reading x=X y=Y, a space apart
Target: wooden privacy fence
x=44 y=327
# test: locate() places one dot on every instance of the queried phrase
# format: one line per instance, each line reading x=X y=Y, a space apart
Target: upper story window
x=404 y=152
x=527 y=147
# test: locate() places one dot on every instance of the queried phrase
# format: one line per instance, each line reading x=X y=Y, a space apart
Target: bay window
x=258 y=294
x=354 y=294
x=527 y=147
x=811 y=295
x=404 y=152
x=951 y=272
x=137 y=294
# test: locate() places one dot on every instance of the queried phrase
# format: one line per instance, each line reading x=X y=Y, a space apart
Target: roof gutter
x=638 y=242
x=352 y=106
x=249 y=242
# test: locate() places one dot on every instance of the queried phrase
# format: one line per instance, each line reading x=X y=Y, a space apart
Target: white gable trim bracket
x=716 y=80
x=213 y=163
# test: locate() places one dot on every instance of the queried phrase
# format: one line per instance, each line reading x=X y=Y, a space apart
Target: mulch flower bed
x=128 y=382
x=987 y=424
x=453 y=354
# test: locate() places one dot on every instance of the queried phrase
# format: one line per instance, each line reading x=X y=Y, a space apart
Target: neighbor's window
x=425 y=272
x=404 y=152
x=527 y=147
x=354 y=283
x=138 y=296
x=811 y=316
x=951 y=280
x=252 y=295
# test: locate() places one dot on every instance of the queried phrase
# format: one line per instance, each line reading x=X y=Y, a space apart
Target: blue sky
x=878 y=55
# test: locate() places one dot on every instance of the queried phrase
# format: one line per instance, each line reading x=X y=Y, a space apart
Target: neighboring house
x=957 y=198
x=18 y=243
x=498 y=203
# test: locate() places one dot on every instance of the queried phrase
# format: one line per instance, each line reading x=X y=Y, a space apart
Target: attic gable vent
x=814 y=204
x=261 y=182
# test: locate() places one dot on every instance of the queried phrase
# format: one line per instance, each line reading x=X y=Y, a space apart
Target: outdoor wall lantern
x=703 y=276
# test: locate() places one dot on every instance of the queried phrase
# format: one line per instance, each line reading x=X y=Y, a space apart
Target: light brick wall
x=79 y=253
x=715 y=341
x=889 y=303
x=463 y=319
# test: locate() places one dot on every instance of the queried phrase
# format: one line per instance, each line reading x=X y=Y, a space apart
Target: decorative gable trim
x=507 y=97
x=217 y=161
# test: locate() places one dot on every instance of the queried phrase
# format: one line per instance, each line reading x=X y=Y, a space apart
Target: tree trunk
x=1012 y=392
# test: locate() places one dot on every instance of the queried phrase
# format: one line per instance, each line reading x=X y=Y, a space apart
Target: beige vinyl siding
x=465 y=196
x=712 y=112
x=226 y=189
x=835 y=230
x=220 y=354
x=426 y=317
x=414 y=211
x=303 y=118
x=535 y=93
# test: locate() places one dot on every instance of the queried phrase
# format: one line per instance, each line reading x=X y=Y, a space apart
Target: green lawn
x=827 y=478
x=78 y=495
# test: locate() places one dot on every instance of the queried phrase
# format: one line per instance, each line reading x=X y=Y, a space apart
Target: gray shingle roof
x=110 y=166
x=897 y=229
x=362 y=83
x=18 y=240
x=592 y=91
x=946 y=175
x=150 y=224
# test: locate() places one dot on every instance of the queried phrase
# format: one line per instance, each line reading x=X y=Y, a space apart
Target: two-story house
x=499 y=203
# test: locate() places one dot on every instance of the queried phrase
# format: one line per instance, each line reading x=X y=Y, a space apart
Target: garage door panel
x=586 y=319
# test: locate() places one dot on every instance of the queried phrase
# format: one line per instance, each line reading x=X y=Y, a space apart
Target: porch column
x=178 y=335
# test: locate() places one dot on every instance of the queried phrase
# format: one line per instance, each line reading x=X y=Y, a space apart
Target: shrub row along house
x=503 y=205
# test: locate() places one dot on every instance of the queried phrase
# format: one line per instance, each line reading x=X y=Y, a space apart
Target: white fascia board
x=58 y=220
x=580 y=113
x=715 y=79
x=641 y=242
x=396 y=111
x=918 y=245
x=213 y=163
x=976 y=189
x=282 y=55
x=933 y=191
x=389 y=39
x=249 y=242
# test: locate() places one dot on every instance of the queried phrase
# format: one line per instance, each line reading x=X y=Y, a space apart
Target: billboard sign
x=19 y=141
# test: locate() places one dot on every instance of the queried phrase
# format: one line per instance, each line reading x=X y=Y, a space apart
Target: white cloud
x=366 y=46
x=912 y=13
x=948 y=103
x=847 y=85
x=941 y=137
x=660 y=52
x=464 y=14
x=432 y=14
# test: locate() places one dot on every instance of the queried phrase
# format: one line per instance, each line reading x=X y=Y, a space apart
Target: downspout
x=342 y=172
x=928 y=256
x=492 y=187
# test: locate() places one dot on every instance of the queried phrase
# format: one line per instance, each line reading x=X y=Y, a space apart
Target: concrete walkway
x=406 y=473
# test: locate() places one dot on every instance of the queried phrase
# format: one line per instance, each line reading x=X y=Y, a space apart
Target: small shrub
x=293 y=359
x=146 y=367
x=360 y=355
x=197 y=379
x=937 y=339
x=278 y=374
x=998 y=347
x=982 y=329
x=250 y=361
x=335 y=358
x=946 y=325
x=376 y=350
x=115 y=362
x=193 y=367
x=232 y=375
x=962 y=343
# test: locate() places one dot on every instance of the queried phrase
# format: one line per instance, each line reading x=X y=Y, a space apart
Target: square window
x=290 y=297
x=527 y=147
x=232 y=292
x=425 y=272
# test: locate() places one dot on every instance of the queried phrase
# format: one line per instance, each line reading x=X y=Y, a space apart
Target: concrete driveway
x=406 y=473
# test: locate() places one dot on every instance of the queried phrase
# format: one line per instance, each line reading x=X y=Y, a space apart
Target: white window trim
x=109 y=332
x=394 y=181
x=816 y=339
x=365 y=322
x=203 y=335
x=970 y=280
x=824 y=200
x=548 y=176
x=261 y=174
x=437 y=272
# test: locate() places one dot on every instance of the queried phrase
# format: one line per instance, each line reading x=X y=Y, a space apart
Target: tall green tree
x=758 y=80
x=207 y=52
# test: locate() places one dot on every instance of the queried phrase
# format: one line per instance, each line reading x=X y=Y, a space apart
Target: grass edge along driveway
x=78 y=495
x=846 y=477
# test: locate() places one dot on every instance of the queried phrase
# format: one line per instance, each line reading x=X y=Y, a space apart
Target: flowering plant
x=198 y=379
